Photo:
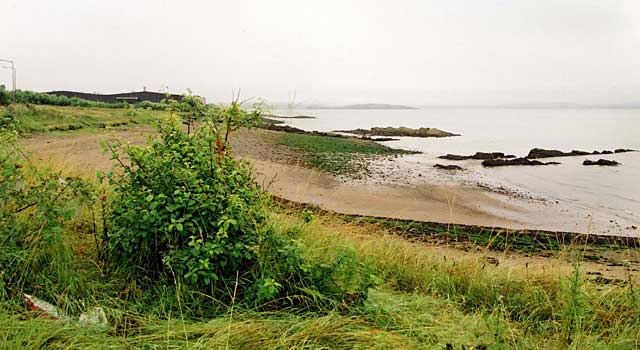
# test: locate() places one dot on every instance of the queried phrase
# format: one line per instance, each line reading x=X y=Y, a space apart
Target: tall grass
x=422 y=301
x=568 y=309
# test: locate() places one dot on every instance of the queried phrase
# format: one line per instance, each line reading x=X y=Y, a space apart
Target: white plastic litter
x=45 y=308
x=94 y=317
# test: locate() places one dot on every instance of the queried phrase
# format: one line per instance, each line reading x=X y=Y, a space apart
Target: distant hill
x=365 y=106
x=559 y=105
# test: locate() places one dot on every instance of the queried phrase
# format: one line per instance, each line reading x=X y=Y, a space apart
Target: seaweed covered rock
x=400 y=131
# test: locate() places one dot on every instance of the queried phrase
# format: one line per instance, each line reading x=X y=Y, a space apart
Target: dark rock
x=516 y=161
x=447 y=167
x=477 y=155
x=379 y=139
x=545 y=153
x=601 y=162
x=579 y=153
x=454 y=157
x=549 y=153
x=483 y=155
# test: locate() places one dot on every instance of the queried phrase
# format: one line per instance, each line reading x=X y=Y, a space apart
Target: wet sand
x=445 y=203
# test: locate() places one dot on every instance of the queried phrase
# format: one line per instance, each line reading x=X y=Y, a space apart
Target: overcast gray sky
x=396 y=51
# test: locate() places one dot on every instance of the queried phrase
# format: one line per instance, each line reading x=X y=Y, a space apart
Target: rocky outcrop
x=550 y=153
x=401 y=131
x=478 y=155
x=447 y=167
x=601 y=162
x=265 y=120
x=290 y=129
x=378 y=139
x=516 y=161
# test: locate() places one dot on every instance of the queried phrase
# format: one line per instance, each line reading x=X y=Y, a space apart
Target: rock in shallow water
x=550 y=153
x=601 y=162
x=447 y=167
x=516 y=161
x=478 y=155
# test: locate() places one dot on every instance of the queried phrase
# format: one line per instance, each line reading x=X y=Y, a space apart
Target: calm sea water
x=612 y=191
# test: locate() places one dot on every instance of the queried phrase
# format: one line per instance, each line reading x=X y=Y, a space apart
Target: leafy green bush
x=151 y=105
x=185 y=210
x=36 y=206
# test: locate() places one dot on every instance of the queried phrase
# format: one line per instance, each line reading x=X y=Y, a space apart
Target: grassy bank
x=42 y=118
x=338 y=155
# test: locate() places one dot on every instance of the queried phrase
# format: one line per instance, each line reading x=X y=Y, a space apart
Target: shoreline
x=408 y=187
x=444 y=203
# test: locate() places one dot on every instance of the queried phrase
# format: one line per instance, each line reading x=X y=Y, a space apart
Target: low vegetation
x=28 y=118
x=5 y=99
x=182 y=250
x=337 y=155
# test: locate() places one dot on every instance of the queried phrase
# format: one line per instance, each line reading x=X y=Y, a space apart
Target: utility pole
x=13 y=77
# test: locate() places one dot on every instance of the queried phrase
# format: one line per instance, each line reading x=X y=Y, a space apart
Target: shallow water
x=612 y=192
